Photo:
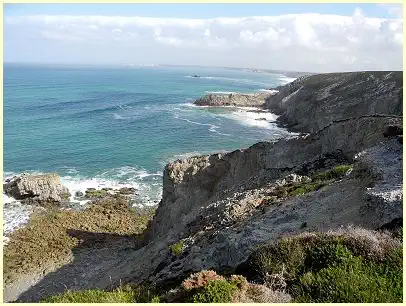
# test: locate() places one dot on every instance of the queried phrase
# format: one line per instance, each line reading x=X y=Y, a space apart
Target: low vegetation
x=126 y=294
x=347 y=266
x=314 y=183
x=334 y=173
x=177 y=248
x=93 y=296
x=352 y=265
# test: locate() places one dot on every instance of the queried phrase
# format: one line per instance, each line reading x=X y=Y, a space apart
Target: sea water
x=119 y=126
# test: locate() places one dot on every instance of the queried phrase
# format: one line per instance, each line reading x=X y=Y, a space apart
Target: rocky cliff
x=310 y=103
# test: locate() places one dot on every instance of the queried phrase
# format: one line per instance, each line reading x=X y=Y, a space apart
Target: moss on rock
x=46 y=239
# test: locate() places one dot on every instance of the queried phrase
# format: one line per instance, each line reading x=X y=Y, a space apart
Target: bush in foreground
x=352 y=265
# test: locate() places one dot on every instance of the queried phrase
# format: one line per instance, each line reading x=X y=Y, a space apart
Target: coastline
x=229 y=187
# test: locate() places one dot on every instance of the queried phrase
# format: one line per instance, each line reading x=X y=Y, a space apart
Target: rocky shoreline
x=344 y=170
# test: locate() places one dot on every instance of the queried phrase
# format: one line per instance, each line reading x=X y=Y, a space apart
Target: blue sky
x=301 y=37
x=195 y=10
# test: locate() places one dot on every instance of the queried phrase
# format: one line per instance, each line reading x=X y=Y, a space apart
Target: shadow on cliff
x=96 y=254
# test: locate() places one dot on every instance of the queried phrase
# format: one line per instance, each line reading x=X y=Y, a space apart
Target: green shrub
x=324 y=255
x=286 y=255
x=334 y=173
x=216 y=291
x=351 y=281
x=93 y=296
x=177 y=248
x=354 y=265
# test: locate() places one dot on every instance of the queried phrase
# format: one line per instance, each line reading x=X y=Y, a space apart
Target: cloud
x=312 y=42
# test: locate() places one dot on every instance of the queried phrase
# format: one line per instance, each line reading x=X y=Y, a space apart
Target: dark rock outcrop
x=42 y=189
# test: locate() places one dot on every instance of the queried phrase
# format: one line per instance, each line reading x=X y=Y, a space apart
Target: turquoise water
x=117 y=126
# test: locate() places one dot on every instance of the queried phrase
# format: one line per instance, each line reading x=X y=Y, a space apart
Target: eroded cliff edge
x=310 y=103
x=223 y=206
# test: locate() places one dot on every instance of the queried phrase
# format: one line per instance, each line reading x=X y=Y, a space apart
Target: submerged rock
x=41 y=189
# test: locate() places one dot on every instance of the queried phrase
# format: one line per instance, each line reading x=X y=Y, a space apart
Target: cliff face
x=197 y=182
x=310 y=103
x=215 y=203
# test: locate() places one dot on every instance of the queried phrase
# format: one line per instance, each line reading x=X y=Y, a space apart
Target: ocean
x=113 y=127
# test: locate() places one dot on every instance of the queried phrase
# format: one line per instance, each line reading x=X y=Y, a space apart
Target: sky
x=298 y=37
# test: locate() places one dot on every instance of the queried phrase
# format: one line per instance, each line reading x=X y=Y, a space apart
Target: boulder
x=41 y=189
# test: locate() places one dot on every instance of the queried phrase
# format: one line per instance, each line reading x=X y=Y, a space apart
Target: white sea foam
x=118 y=117
x=147 y=184
x=15 y=215
x=212 y=127
x=185 y=155
x=220 y=92
x=7 y=199
x=255 y=119
x=117 y=178
x=272 y=91
x=286 y=79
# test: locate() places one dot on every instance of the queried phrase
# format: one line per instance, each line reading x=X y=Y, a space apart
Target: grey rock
x=42 y=189
x=310 y=103
x=79 y=194
x=235 y=99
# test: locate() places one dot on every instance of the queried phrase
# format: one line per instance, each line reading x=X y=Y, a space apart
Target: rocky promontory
x=233 y=99
x=295 y=216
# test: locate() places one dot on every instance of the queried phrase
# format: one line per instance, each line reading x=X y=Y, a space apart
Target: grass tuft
x=177 y=248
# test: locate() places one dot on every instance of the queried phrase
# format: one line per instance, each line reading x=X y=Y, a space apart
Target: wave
x=272 y=91
x=285 y=80
x=118 y=117
x=148 y=187
x=147 y=184
x=220 y=92
x=212 y=128
x=126 y=176
x=252 y=118
x=15 y=215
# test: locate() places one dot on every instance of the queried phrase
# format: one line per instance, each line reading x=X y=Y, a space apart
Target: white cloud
x=312 y=42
